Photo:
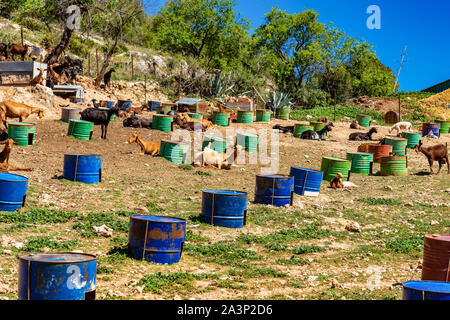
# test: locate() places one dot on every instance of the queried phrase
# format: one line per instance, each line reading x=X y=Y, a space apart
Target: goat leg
x=11 y=168
x=431 y=166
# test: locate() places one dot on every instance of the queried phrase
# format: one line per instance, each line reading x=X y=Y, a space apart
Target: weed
x=381 y=201
x=193 y=237
x=224 y=254
x=169 y=282
x=405 y=244
x=35 y=244
x=307 y=249
x=85 y=224
x=293 y=260
x=186 y=167
x=203 y=173
x=38 y=216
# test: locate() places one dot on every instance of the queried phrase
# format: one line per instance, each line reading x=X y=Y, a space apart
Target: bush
x=341 y=111
x=309 y=98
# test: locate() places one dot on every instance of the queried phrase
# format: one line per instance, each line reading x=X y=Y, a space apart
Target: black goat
x=287 y=129
x=96 y=104
x=359 y=136
x=107 y=77
x=135 y=122
x=99 y=117
x=313 y=135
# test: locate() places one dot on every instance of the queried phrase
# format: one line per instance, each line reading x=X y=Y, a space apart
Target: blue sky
x=422 y=26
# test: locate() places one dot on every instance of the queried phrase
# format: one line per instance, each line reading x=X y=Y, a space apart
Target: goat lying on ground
x=4 y=157
x=11 y=109
x=354 y=125
x=358 y=136
x=437 y=153
x=401 y=126
x=284 y=129
x=135 y=122
x=188 y=125
x=39 y=79
x=212 y=159
x=147 y=147
x=336 y=182
x=313 y=135
x=136 y=110
x=185 y=118
x=99 y=117
x=325 y=120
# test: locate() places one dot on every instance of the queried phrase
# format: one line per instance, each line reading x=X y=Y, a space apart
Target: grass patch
x=186 y=167
x=35 y=244
x=405 y=244
x=293 y=261
x=380 y=201
x=193 y=237
x=224 y=254
x=39 y=216
x=169 y=282
x=304 y=249
x=84 y=224
x=255 y=272
x=341 y=112
x=203 y=173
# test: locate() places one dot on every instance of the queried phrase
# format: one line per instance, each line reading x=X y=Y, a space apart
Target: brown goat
x=17 y=49
x=39 y=79
x=354 y=125
x=437 y=153
x=336 y=182
x=4 y=157
x=147 y=147
x=13 y=109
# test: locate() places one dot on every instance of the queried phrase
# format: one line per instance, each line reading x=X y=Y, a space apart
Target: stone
x=353 y=227
x=388 y=188
x=103 y=231
x=335 y=284
x=142 y=210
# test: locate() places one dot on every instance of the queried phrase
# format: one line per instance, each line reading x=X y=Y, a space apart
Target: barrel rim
x=175 y=142
x=12 y=174
x=394 y=156
x=16 y=123
x=162 y=116
x=246 y=134
x=274 y=176
x=82 y=155
x=139 y=217
x=361 y=153
x=80 y=121
x=443 y=283
x=339 y=159
x=27 y=256
x=307 y=169
x=396 y=138
x=440 y=237
x=235 y=193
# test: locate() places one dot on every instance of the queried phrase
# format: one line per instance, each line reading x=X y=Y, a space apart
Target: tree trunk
x=102 y=72
x=54 y=55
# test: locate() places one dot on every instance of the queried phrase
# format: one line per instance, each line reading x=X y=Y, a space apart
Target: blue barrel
x=224 y=208
x=108 y=104
x=83 y=168
x=426 y=290
x=124 y=104
x=156 y=239
x=430 y=127
x=306 y=181
x=276 y=190
x=57 y=276
x=153 y=104
x=13 y=191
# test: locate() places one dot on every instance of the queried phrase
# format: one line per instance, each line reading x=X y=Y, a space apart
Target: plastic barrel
x=331 y=166
x=57 y=276
x=444 y=126
x=317 y=126
x=176 y=152
x=282 y=113
x=263 y=115
x=379 y=150
x=217 y=143
x=13 y=191
x=124 y=104
x=300 y=128
x=276 y=190
x=430 y=127
x=426 y=290
x=245 y=116
x=107 y=104
x=364 y=120
x=398 y=145
x=247 y=140
x=156 y=239
x=361 y=162
x=163 y=109
x=224 y=208
x=194 y=115
x=80 y=129
x=221 y=118
x=153 y=105
x=23 y=133
x=394 y=166
x=307 y=182
x=436 y=257
x=413 y=139
x=162 y=122
x=83 y=168
x=70 y=113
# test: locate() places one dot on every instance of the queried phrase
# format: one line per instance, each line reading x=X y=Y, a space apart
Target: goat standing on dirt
x=107 y=78
x=437 y=153
x=99 y=117
x=401 y=126
x=210 y=158
x=4 y=157
x=13 y=109
x=147 y=147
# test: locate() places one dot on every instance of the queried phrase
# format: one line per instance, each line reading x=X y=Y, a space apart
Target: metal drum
x=276 y=190
x=331 y=166
x=162 y=122
x=13 y=191
x=224 y=208
x=70 y=113
x=194 y=115
x=221 y=118
x=426 y=290
x=428 y=128
x=307 y=182
x=282 y=113
x=217 y=143
x=379 y=150
x=176 y=152
x=106 y=109
x=364 y=120
x=83 y=168
x=124 y=104
x=247 y=140
x=107 y=104
x=263 y=115
x=80 y=129
x=156 y=239
x=300 y=128
x=398 y=145
x=362 y=162
x=413 y=139
x=23 y=133
x=436 y=257
x=394 y=166
x=245 y=116
x=317 y=126
x=152 y=105
x=57 y=276
x=444 y=126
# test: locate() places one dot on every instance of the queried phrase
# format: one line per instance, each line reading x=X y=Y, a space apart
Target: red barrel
x=380 y=150
x=436 y=257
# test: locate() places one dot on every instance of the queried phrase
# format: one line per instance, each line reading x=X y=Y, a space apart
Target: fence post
x=96 y=57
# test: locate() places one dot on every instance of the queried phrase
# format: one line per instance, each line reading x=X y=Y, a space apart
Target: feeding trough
x=426 y=290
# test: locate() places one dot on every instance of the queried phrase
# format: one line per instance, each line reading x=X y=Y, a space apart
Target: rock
x=306 y=156
x=3 y=288
x=353 y=227
x=140 y=289
x=434 y=222
x=142 y=210
x=103 y=231
x=7 y=252
x=309 y=117
x=335 y=284
x=202 y=266
x=388 y=188
x=17 y=245
x=409 y=204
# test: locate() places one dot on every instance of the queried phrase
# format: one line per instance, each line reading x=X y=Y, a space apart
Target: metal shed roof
x=189 y=101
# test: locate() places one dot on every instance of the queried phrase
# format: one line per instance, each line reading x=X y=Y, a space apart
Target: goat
x=354 y=125
x=22 y=111
x=107 y=77
x=212 y=159
x=188 y=125
x=147 y=147
x=401 y=126
x=136 y=110
x=336 y=182
x=33 y=51
x=99 y=117
x=437 y=153
x=135 y=122
x=17 y=49
x=358 y=136
x=4 y=50
x=313 y=135
x=284 y=129
x=4 y=157
x=185 y=117
x=39 y=79
x=96 y=104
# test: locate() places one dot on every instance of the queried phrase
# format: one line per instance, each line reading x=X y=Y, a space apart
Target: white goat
x=210 y=158
x=401 y=126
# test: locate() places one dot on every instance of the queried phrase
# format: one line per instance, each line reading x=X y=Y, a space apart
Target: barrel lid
x=63 y=257
x=82 y=155
x=157 y=218
x=361 y=153
x=5 y=176
x=243 y=133
x=175 y=142
x=275 y=176
x=442 y=237
x=80 y=121
x=395 y=138
x=431 y=286
x=306 y=169
x=27 y=124
x=336 y=159
x=225 y=192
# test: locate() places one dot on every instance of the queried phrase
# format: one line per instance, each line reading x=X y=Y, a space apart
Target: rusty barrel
x=156 y=239
x=276 y=190
x=57 y=276
x=426 y=290
x=379 y=150
x=436 y=257
x=394 y=166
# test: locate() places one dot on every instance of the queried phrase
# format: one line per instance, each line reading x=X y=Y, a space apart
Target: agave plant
x=280 y=100
x=220 y=84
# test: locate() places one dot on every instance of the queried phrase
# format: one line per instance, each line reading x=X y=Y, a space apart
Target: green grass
x=38 y=216
x=224 y=254
x=405 y=244
x=203 y=173
x=293 y=260
x=194 y=237
x=35 y=244
x=84 y=224
x=381 y=201
x=248 y=271
x=303 y=249
x=171 y=282
x=341 y=111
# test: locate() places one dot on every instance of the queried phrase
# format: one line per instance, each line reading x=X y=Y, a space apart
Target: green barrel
x=163 y=109
x=112 y=116
x=282 y=113
x=413 y=139
x=331 y=166
x=247 y=140
x=394 y=166
x=245 y=116
x=263 y=115
x=398 y=145
x=176 y=152
x=80 y=129
x=194 y=115
x=444 y=126
x=362 y=162
x=317 y=126
x=364 y=120
x=217 y=143
x=23 y=133
x=300 y=128
x=220 y=118
x=162 y=122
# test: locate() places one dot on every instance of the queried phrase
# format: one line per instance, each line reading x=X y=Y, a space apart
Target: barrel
x=394 y=166
x=174 y=151
x=23 y=133
x=430 y=127
x=282 y=113
x=194 y=115
x=245 y=116
x=413 y=139
x=444 y=126
x=80 y=129
x=306 y=181
x=247 y=140
x=221 y=118
x=217 y=143
x=83 y=168
x=300 y=128
x=362 y=162
x=156 y=239
x=263 y=115
x=426 y=290
x=106 y=109
x=379 y=150
x=224 y=208
x=70 y=113
x=436 y=257
x=331 y=166
x=398 y=145
x=163 y=109
x=124 y=104
x=391 y=117
x=152 y=105
x=107 y=104
x=13 y=191
x=364 y=120
x=162 y=122
x=57 y=276
x=317 y=126
x=276 y=190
